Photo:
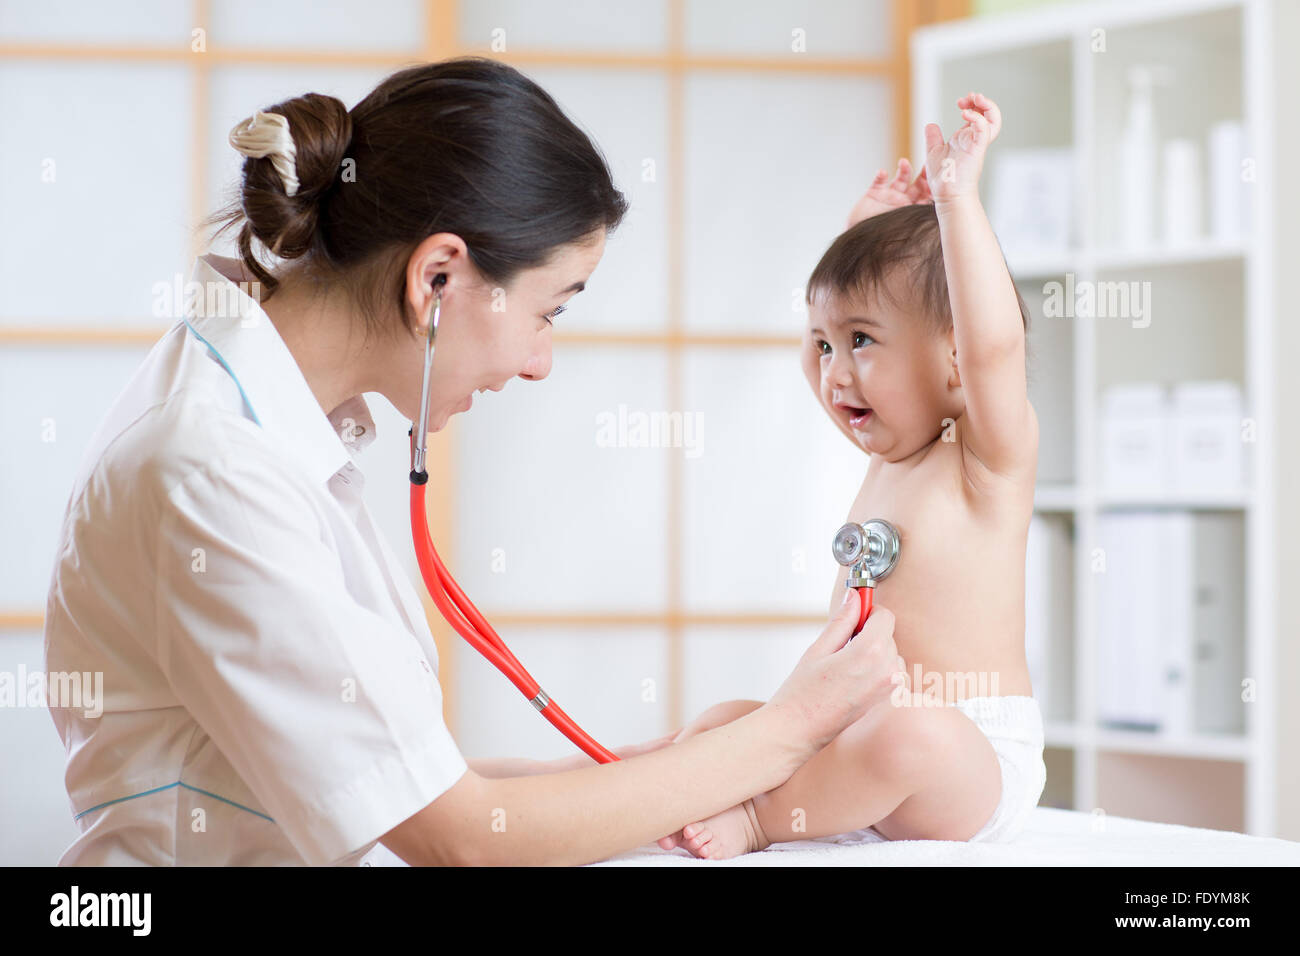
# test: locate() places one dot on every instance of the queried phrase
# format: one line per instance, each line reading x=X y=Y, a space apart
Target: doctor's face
x=488 y=335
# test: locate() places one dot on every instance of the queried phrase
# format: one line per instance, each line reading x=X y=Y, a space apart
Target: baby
x=915 y=346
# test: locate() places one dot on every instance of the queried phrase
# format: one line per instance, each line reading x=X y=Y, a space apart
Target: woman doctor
x=270 y=682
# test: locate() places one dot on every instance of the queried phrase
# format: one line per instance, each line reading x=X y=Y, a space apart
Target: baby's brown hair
x=862 y=258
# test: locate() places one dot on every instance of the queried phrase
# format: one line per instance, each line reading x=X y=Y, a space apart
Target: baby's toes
x=700 y=838
x=671 y=842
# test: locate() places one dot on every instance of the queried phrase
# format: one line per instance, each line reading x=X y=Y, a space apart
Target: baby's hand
x=954 y=167
x=881 y=196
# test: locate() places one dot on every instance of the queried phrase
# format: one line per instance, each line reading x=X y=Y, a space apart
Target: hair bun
x=319 y=131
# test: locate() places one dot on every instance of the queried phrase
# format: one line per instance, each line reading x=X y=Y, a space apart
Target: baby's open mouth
x=858 y=416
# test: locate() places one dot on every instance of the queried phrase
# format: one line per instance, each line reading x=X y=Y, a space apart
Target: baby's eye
x=863 y=335
x=826 y=350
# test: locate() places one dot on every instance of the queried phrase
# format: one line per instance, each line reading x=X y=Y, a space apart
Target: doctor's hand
x=837 y=680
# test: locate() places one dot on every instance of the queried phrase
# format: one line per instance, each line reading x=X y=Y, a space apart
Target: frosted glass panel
x=775 y=163
x=730 y=663
x=561 y=498
x=36 y=825
x=613 y=682
x=152 y=22
x=842 y=28
x=774 y=480
x=629 y=288
x=115 y=219
x=318 y=24
x=237 y=91
x=56 y=398
x=505 y=26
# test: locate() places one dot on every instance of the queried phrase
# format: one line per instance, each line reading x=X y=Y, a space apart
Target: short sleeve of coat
x=320 y=704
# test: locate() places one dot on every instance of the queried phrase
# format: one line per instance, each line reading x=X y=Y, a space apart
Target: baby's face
x=885 y=378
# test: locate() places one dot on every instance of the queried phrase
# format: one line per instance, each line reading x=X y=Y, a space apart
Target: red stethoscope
x=870 y=550
x=452 y=603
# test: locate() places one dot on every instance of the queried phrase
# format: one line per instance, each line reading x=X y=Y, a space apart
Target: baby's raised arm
x=1000 y=428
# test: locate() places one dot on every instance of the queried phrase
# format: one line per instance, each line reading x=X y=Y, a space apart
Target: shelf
x=1036 y=265
x=1208 y=250
x=1062 y=734
x=1064 y=498
x=1207 y=313
x=1209 y=500
x=1056 y=498
x=1202 y=746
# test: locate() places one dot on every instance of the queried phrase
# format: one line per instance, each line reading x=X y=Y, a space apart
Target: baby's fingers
x=979 y=123
x=933 y=137
x=986 y=107
x=903 y=174
x=920 y=190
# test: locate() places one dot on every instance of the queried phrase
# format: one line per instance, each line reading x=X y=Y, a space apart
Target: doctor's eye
x=556 y=311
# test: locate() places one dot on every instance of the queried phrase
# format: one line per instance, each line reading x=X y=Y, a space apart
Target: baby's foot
x=730 y=833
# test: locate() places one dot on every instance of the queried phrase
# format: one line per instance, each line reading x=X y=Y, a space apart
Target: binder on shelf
x=1219 y=621
x=1049 y=616
x=1170 y=617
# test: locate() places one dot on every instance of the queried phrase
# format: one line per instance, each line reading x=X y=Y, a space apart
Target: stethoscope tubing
x=452 y=602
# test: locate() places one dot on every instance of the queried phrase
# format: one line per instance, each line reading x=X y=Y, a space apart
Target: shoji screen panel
x=766 y=488
x=55 y=397
x=94 y=190
x=320 y=26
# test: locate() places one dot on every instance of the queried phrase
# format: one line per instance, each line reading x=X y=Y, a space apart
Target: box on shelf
x=1031 y=199
x=1190 y=442
x=1134 y=429
x=1170 y=621
x=1208 y=449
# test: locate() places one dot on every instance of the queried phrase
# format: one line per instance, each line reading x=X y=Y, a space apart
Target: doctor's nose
x=539 y=366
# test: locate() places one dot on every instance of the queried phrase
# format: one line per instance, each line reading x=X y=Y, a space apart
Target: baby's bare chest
x=961 y=559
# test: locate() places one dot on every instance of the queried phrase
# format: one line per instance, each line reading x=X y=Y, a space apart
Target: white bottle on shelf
x=1229 y=189
x=1137 y=162
x=1183 y=186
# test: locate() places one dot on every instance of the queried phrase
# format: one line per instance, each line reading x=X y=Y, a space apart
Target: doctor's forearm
x=581 y=816
x=496 y=767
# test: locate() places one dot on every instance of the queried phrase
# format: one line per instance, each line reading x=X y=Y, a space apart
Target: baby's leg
x=915 y=773
x=715 y=716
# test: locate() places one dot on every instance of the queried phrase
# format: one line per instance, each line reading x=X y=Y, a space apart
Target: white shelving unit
x=1058 y=76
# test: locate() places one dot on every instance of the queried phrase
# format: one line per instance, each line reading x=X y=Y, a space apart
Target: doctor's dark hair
x=469 y=146
x=901 y=244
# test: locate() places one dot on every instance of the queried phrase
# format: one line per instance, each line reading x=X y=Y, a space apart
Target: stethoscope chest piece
x=869 y=549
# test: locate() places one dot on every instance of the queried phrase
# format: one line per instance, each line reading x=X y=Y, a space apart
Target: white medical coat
x=270 y=689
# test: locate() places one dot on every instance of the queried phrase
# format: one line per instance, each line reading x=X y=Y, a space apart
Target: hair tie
x=267 y=134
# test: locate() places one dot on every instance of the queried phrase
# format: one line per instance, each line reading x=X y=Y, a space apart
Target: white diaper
x=1014 y=726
